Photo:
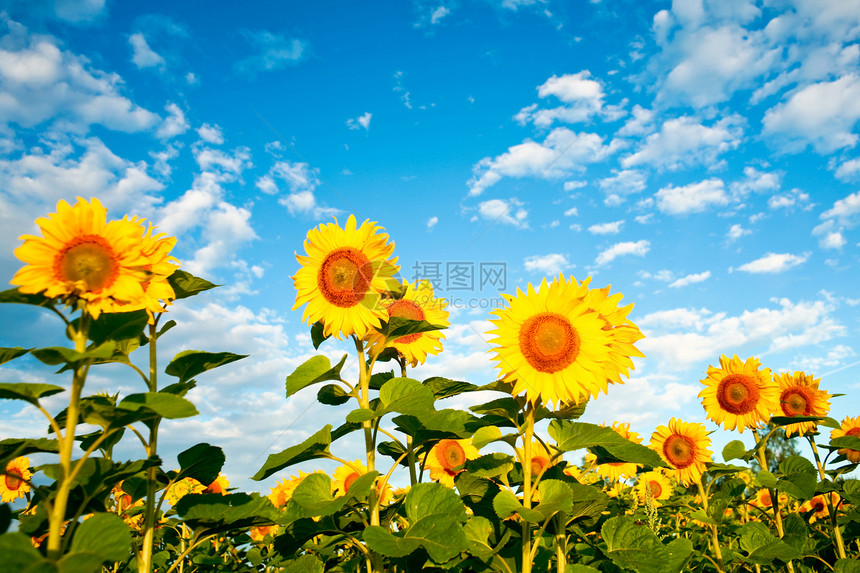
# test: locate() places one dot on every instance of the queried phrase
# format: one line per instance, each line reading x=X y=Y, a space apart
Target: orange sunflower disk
x=849 y=427
x=799 y=396
x=684 y=446
x=343 y=275
x=14 y=484
x=447 y=455
x=739 y=394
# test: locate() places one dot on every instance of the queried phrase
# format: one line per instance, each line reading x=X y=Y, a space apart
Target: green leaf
x=766 y=479
x=117 y=326
x=13 y=295
x=185 y=284
x=18 y=552
x=56 y=355
x=847 y=566
x=333 y=395
x=189 y=363
x=508 y=408
x=721 y=470
x=7 y=354
x=426 y=499
x=27 y=391
x=220 y=512
x=478 y=530
x=445 y=388
x=588 y=502
x=406 y=396
x=380 y=540
x=762 y=546
x=820 y=420
x=202 y=462
x=850 y=442
x=399 y=326
x=12 y=448
x=104 y=535
x=486 y=435
x=313 y=494
x=304 y=564
x=506 y=504
x=634 y=546
x=490 y=465
x=315 y=446
x=679 y=551
x=168 y=406
x=579 y=568
x=734 y=450
x=316 y=369
x=317 y=335
x=360 y=415
x=572 y=435
x=555 y=496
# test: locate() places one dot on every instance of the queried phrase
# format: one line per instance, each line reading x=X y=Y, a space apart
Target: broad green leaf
x=202 y=462
x=56 y=355
x=360 y=415
x=18 y=552
x=316 y=369
x=478 y=530
x=721 y=470
x=555 y=496
x=380 y=540
x=185 y=284
x=445 y=388
x=800 y=477
x=398 y=326
x=820 y=420
x=588 y=502
x=572 y=436
x=849 y=442
x=766 y=479
x=406 y=396
x=332 y=395
x=118 y=326
x=13 y=295
x=441 y=535
x=679 y=551
x=105 y=535
x=304 y=564
x=313 y=494
x=508 y=408
x=168 y=406
x=27 y=391
x=189 y=363
x=314 y=447
x=847 y=566
x=579 y=568
x=734 y=450
x=7 y=354
x=490 y=465
x=486 y=435
x=12 y=448
x=219 y=512
x=317 y=334
x=762 y=546
x=439 y=424
x=506 y=504
x=634 y=546
x=426 y=499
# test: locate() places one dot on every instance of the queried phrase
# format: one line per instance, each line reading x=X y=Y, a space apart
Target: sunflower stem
x=367 y=425
x=410 y=450
x=527 y=485
x=560 y=543
x=714 y=536
x=145 y=563
x=67 y=443
x=774 y=497
x=837 y=533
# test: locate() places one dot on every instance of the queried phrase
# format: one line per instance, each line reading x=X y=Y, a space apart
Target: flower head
x=615 y=471
x=14 y=483
x=283 y=490
x=345 y=476
x=182 y=488
x=541 y=458
x=446 y=457
x=799 y=396
x=849 y=427
x=343 y=275
x=684 y=446
x=739 y=394
x=657 y=484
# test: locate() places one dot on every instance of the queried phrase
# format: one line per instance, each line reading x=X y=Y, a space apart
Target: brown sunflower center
x=350 y=479
x=549 y=342
x=738 y=394
x=853 y=432
x=796 y=402
x=13 y=480
x=679 y=451
x=450 y=455
x=656 y=488
x=344 y=277
x=818 y=505
x=88 y=258
x=407 y=309
x=539 y=465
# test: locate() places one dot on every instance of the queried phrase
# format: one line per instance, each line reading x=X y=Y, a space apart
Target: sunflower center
x=13 y=480
x=738 y=394
x=350 y=479
x=817 y=505
x=124 y=502
x=656 y=488
x=853 y=432
x=344 y=277
x=679 y=451
x=795 y=402
x=539 y=465
x=90 y=259
x=549 y=342
x=450 y=455
x=406 y=309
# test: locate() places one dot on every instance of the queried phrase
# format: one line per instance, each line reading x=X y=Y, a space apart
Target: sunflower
x=124 y=503
x=182 y=488
x=541 y=459
x=417 y=303
x=283 y=491
x=81 y=256
x=14 y=484
x=220 y=485
x=616 y=471
x=656 y=484
x=260 y=532
x=551 y=345
x=345 y=475
x=849 y=427
x=684 y=446
x=447 y=455
x=818 y=505
x=800 y=396
x=343 y=275
x=739 y=394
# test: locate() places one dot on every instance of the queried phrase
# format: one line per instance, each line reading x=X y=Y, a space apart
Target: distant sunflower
x=684 y=446
x=446 y=456
x=417 y=303
x=541 y=459
x=82 y=256
x=342 y=276
x=818 y=506
x=739 y=394
x=14 y=483
x=616 y=471
x=283 y=490
x=345 y=475
x=183 y=487
x=553 y=347
x=800 y=396
x=259 y=533
x=657 y=484
x=220 y=485
x=849 y=427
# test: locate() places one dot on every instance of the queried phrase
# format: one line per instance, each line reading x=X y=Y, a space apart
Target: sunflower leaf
x=490 y=465
x=12 y=448
x=203 y=462
x=632 y=546
x=734 y=450
x=572 y=436
x=445 y=388
x=7 y=354
x=820 y=420
x=850 y=442
x=406 y=396
x=189 y=363
x=506 y=504
x=185 y=284
x=105 y=535
x=398 y=327
x=314 y=447
x=333 y=395
x=315 y=369
x=118 y=326
x=13 y=295
x=28 y=392
x=318 y=335
x=168 y=406
x=69 y=357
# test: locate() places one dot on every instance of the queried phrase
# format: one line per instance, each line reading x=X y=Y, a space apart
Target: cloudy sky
x=699 y=156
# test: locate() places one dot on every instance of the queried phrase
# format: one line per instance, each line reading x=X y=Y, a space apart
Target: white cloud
x=844 y=210
x=431 y=222
x=848 y=170
x=641 y=123
x=793 y=198
x=438 y=14
x=736 y=232
x=562 y=153
x=142 y=55
x=174 y=124
x=362 y=121
x=508 y=212
x=623 y=183
x=690 y=279
x=234 y=162
x=572 y=212
x=833 y=358
x=550 y=265
x=684 y=141
x=79 y=11
x=639 y=248
x=692 y=198
x=582 y=96
x=756 y=181
x=302 y=180
x=211 y=134
x=606 y=228
x=574 y=185
x=773 y=263
x=274 y=52
x=832 y=240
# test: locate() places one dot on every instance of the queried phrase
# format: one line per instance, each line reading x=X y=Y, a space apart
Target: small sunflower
x=283 y=490
x=553 y=346
x=657 y=484
x=617 y=471
x=818 y=506
x=343 y=275
x=259 y=533
x=684 y=446
x=82 y=256
x=14 y=483
x=447 y=455
x=220 y=485
x=417 y=303
x=739 y=394
x=182 y=488
x=799 y=396
x=849 y=427
x=345 y=476
x=541 y=459
x=762 y=498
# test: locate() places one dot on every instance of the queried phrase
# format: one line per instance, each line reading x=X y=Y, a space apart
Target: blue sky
x=699 y=156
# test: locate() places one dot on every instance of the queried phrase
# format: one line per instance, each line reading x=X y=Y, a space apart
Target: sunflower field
x=514 y=484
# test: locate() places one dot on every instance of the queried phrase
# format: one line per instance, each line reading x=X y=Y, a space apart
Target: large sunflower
x=14 y=483
x=849 y=427
x=618 y=470
x=739 y=394
x=342 y=276
x=684 y=446
x=447 y=455
x=345 y=476
x=553 y=346
x=657 y=484
x=799 y=396
x=81 y=255
x=417 y=303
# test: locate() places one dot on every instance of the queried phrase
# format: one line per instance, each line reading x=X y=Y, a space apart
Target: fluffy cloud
x=142 y=55
x=210 y=134
x=773 y=263
x=690 y=279
x=301 y=180
x=622 y=183
x=549 y=265
x=175 y=123
x=509 y=212
x=581 y=95
x=684 y=141
x=431 y=222
x=562 y=153
x=612 y=228
x=274 y=52
x=362 y=121
x=692 y=198
x=638 y=248
x=756 y=181
x=736 y=232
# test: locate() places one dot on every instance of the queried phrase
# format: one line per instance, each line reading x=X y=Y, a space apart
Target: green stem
x=774 y=498
x=560 y=543
x=714 y=537
x=367 y=425
x=410 y=450
x=144 y=564
x=527 y=485
x=837 y=533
